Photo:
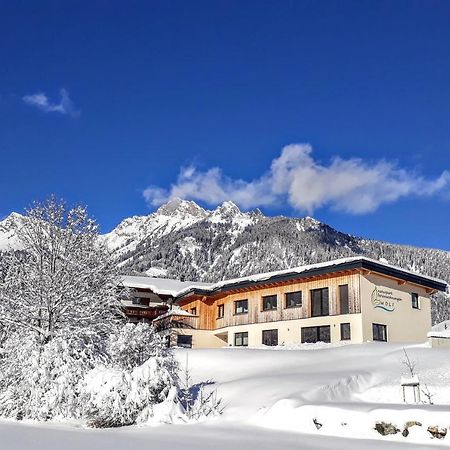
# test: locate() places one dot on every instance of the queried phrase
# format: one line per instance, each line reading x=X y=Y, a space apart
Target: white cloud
x=41 y=101
x=295 y=177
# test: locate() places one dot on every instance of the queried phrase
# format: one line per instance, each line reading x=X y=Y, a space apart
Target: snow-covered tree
x=58 y=302
x=62 y=279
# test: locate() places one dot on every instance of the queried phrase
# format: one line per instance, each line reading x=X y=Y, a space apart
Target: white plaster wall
x=289 y=331
x=404 y=324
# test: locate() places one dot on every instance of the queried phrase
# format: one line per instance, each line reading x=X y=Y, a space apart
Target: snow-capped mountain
x=8 y=238
x=182 y=238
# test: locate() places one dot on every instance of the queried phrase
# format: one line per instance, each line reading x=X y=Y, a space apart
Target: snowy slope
x=272 y=396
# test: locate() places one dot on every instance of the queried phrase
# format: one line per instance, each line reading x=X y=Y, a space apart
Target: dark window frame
x=343 y=331
x=324 y=302
x=236 y=303
x=296 y=305
x=265 y=298
x=346 y=302
x=318 y=331
x=220 y=311
x=194 y=311
x=242 y=335
x=270 y=337
x=376 y=335
x=187 y=337
x=415 y=302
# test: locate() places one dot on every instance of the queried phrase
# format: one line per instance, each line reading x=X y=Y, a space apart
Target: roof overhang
x=371 y=266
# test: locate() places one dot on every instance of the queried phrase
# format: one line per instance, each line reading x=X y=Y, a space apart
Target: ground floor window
x=184 y=340
x=241 y=339
x=345 y=332
x=379 y=332
x=316 y=334
x=270 y=337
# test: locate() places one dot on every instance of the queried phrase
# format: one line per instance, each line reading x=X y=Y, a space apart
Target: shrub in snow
x=133 y=344
x=141 y=374
x=43 y=381
x=116 y=397
x=197 y=401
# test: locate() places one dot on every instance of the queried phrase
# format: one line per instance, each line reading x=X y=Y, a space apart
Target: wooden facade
x=207 y=307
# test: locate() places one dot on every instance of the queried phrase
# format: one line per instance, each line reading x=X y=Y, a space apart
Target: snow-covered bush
x=44 y=382
x=133 y=344
x=116 y=397
x=142 y=373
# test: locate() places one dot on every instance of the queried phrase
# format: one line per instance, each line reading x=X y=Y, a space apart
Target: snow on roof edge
x=300 y=269
x=186 y=286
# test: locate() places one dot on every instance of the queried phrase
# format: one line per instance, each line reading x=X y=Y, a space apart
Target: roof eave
x=362 y=263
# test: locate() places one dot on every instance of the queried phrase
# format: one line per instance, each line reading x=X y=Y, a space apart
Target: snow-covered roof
x=160 y=286
x=440 y=330
x=440 y=284
x=175 y=313
x=176 y=288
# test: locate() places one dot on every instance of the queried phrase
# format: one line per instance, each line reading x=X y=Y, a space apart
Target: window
x=345 y=332
x=415 y=300
x=269 y=302
x=220 y=311
x=319 y=302
x=184 y=340
x=270 y=337
x=194 y=311
x=136 y=301
x=316 y=334
x=241 y=307
x=293 y=299
x=241 y=339
x=343 y=298
x=379 y=332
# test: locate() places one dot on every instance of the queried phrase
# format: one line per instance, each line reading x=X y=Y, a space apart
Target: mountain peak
x=178 y=206
x=229 y=208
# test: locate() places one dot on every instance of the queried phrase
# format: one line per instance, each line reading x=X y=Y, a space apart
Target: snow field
x=346 y=389
x=272 y=397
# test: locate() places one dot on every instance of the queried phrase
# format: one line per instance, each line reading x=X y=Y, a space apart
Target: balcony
x=176 y=318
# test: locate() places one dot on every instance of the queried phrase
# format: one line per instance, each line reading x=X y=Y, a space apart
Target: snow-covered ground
x=273 y=397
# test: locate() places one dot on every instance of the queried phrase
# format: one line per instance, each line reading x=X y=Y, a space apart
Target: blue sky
x=338 y=110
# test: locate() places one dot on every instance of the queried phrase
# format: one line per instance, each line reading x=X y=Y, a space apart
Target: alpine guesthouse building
x=353 y=299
